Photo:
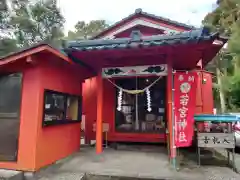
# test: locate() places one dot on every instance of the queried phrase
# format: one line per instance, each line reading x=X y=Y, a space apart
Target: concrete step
x=11 y=175
x=60 y=176
x=102 y=177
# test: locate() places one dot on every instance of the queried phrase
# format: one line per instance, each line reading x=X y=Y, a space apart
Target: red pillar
x=99 y=127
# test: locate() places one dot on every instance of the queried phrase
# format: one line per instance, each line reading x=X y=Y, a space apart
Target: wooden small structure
x=127 y=73
x=43 y=77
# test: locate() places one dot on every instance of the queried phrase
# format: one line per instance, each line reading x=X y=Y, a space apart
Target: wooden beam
x=82 y=63
x=99 y=126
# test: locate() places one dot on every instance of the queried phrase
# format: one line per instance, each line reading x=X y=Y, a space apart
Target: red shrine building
x=137 y=80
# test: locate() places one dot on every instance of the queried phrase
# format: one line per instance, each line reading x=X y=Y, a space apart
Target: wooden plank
x=104 y=129
x=216 y=140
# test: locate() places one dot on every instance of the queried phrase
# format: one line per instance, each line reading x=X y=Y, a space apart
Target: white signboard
x=157 y=70
x=216 y=140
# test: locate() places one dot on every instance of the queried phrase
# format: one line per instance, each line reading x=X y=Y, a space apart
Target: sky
x=186 y=11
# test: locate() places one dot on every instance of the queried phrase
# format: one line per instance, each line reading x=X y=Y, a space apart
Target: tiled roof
x=140 y=12
x=21 y=50
x=136 y=41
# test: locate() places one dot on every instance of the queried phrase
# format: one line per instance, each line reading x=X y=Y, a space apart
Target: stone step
x=143 y=148
x=11 y=175
x=104 y=177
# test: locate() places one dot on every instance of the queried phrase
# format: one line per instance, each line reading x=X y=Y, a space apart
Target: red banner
x=185 y=85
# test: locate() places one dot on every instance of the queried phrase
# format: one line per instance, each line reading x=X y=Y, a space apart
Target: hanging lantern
x=149 y=109
x=120 y=93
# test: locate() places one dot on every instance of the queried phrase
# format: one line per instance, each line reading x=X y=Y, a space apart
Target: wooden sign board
x=105 y=127
x=216 y=140
x=157 y=70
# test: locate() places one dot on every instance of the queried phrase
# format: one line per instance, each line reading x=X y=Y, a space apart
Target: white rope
x=121 y=90
x=137 y=91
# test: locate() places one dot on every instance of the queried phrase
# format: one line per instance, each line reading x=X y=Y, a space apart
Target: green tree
x=224 y=16
x=234 y=45
x=225 y=19
x=37 y=22
x=7 y=42
x=221 y=67
x=85 y=30
x=7 y=45
x=3 y=15
x=233 y=93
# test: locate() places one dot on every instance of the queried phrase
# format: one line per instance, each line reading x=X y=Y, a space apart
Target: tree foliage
x=233 y=92
x=224 y=16
x=226 y=19
x=27 y=22
x=85 y=30
x=24 y=23
x=7 y=43
x=43 y=22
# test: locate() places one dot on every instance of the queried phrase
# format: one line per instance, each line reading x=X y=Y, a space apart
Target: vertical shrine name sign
x=185 y=87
